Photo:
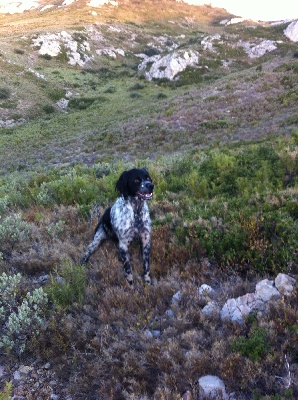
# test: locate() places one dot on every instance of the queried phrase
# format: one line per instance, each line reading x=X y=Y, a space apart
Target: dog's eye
x=137 y=180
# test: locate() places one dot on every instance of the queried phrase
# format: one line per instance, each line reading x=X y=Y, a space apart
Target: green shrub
x=13 y=228
x=48 y=109
x=135 y=95
x=20 y=317
x=46 y=56
x=151 y=51
x=161 y=96
x=85 y=102
x=137 y=86
x=110 y=89
x=255 y=346
x=5 y=394
x=4 y=93
x=55 y=93
x=18 y=51
x=68 y=285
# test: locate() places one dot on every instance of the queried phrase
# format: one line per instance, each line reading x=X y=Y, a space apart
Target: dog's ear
x=122 y=184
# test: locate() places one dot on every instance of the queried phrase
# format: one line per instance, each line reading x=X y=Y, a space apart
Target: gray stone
x=206 y=291
x=17 y=376
x=170 y=313
x=176 y=298
x=291 y=31
x=148 y=334
x=211 y=308
x=285 y=284
x=266 y=291
x=168 y=66
x=254 y=50
x=212 y=387
x=156 y=334
x=237 y=309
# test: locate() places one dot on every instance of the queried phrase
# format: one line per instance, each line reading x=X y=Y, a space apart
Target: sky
x=263 y=10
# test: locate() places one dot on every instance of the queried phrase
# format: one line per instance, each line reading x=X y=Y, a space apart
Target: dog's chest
x=130 y=220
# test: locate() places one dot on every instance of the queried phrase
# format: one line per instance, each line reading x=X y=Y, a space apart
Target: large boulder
x=291 y=31
x=266 y=291
x=254 y=50
x=285 y=284
x=53 y=44
x=212 y=387
x=168 y=66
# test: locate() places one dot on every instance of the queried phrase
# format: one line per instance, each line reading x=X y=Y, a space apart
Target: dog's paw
x=84 y=260
x=129 y=278
x=147 y=279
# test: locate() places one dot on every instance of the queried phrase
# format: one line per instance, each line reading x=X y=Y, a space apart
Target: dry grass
x=58 y=168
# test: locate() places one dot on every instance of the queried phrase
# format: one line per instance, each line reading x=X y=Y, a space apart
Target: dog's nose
x=149 y=186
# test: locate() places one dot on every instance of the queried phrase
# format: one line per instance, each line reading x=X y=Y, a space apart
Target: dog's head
x=135 y=183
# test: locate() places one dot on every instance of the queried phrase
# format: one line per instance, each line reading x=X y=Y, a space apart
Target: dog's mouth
x=145 y=196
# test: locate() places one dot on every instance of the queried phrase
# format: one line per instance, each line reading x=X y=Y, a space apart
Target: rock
x=111 y=52
x=2 y=371
x=187 y=396
x=42 y=279
x=291 y=31
x=266 y=291
x=62 y=104
x=207 y=42
x=25 y=370
x=258 y=50
x=234 y=312
x=17 y=376
x=170 y=313
x=212 y=387
x=210 y=308
x=168 y=66
x=206 y=291
x=176 y=298
x=148 y=334
x=284 y=284
x=52 y=44
x=237 y=309
x=156 y=334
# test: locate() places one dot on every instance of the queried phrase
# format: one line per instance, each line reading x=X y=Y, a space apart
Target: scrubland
x=221 y=146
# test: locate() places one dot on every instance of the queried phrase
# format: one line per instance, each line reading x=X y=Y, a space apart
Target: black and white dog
x=128 y=219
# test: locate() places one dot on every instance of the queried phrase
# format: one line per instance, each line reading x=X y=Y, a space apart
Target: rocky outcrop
x=111 y=52
x=258 y=50
x=237 y=309
x=168 y=66
x=291 y=31
x=56 y=43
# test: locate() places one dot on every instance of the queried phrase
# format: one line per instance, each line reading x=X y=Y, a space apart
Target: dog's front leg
x=145 y=248
x=124 y=257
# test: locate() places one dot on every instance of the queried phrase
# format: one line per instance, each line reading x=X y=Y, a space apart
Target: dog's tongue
x=145 y=195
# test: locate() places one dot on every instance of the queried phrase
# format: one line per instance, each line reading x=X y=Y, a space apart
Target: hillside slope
x=210 y=108
x=240 y=95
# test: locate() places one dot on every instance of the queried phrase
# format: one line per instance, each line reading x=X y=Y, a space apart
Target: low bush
x=4 y=93
x=84 y=102
x=48 y=109
x=20 y=317
x=256 y=346
x=67 y=285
